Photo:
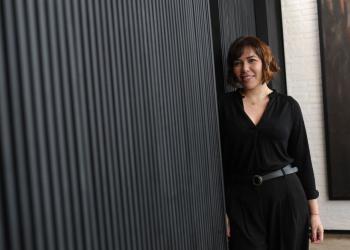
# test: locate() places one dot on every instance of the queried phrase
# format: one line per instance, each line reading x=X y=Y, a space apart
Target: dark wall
x=109 y=133
x=230 y=19
x=237 y=19
x=335 y=58
x=268 y=18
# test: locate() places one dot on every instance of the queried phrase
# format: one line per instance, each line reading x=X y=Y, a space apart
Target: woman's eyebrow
x=248 y=57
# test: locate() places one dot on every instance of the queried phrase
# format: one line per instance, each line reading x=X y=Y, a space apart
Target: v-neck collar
x=271 y=97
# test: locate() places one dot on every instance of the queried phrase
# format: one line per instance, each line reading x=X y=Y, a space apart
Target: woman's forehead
x=248 y=51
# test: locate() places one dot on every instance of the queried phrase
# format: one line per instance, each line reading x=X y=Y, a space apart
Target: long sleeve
x=298 y=149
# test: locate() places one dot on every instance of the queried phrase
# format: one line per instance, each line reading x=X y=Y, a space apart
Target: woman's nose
x=245 y=67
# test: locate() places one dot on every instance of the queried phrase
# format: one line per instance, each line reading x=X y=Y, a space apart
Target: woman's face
x=248 y=69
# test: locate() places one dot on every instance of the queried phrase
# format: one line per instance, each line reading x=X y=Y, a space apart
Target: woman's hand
x=315 y=222
x=228 y=229
x=316 y=229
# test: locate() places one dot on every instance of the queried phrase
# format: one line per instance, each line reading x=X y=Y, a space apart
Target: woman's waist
x=258 y=177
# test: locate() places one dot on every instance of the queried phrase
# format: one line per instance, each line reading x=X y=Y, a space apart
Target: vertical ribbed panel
x=109 y=132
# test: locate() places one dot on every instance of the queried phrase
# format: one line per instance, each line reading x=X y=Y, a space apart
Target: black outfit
x=272 y=216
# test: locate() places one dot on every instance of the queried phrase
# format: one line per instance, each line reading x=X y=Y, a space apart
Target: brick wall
x=304 y=83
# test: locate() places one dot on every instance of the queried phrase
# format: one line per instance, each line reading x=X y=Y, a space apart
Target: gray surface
x=109 y=132
x=333 y=242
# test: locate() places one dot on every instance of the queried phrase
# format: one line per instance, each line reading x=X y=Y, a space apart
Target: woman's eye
x=251 y=60
x=236 y=63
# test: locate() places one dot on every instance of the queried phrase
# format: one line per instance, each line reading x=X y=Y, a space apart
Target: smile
x=247 y=78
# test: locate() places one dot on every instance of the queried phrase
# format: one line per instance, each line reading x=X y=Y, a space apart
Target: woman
x=271 y=199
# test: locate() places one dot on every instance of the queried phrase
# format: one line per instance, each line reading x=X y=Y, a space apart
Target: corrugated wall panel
x=109 y=131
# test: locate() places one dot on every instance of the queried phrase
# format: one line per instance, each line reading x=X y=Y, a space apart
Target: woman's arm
x=315 y=222
x=299 y=149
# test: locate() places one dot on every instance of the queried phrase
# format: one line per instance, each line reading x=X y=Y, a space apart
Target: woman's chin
x=250 y=85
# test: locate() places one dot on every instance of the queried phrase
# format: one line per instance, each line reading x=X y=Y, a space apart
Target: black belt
x=257 y=180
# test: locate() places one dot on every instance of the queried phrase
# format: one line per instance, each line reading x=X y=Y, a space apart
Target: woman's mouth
x=247 y=77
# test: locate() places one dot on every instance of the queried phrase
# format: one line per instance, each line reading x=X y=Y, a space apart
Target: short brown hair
x=269 y=64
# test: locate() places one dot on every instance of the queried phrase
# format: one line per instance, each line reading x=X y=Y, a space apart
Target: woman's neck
x=257 y=94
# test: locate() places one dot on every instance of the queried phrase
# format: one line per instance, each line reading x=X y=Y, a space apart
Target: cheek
x=259 y=71
x=236 y=72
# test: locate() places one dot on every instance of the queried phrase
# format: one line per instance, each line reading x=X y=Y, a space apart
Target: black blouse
x=277 y=140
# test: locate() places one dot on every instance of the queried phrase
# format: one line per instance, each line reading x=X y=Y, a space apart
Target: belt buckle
x=257 y=180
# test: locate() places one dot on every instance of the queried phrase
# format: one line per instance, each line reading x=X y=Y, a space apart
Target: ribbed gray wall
x=109 y=132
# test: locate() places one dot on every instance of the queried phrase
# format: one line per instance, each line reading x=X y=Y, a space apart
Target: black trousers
x=273 y=216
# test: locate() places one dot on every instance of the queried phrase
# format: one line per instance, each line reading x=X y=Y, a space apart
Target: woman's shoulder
x=287 y=98
x=289 y=101
x=228 y=101
x=230 y=97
